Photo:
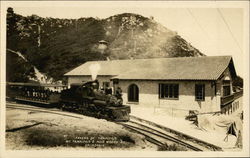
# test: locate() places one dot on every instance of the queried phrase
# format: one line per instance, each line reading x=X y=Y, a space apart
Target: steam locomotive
x=85 y=98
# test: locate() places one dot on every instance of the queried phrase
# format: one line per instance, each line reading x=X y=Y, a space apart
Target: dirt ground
x=36 y=130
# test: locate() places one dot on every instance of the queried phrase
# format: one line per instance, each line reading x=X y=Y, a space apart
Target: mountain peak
x=147 y=38
x=64 y=44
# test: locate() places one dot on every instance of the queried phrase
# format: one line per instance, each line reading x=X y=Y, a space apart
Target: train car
x=35 y=93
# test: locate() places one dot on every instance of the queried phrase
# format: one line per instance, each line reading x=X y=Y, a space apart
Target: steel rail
x=148 y=138
x=44 y=111
x=180 y=134
x=166 y=136
x=154 y=132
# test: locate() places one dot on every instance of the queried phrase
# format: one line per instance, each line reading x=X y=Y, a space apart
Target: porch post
x=218 y=95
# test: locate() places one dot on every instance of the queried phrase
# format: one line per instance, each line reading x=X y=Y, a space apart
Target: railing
x=238 y=94
x=230 y=98
x=227 y=99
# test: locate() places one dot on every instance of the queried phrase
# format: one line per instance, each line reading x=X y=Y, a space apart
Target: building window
x=169 y=91
x=226 y=82
x=226 y=90
x=200 y=92
x=105 y=85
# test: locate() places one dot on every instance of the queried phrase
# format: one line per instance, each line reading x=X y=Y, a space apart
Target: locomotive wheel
x=92 y=108
x=80 y=109
x=62 y=106
x=98 y=114
x=85 y=103
x=110 y=115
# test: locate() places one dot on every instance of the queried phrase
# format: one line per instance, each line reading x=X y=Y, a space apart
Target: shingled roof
x=182 y=68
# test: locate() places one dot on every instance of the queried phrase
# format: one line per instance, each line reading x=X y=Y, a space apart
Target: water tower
x=103 y=45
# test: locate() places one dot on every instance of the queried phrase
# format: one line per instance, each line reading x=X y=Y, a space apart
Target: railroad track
x=158 y=137
x=166 y=135
x=42 y=110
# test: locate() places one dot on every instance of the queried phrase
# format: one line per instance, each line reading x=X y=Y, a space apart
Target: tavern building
x=189 y=83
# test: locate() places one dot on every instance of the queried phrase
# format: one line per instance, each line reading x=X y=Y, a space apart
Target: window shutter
x=203 y=91
x=159 y=90
x=166 y=90
x=196 y=91
x=176 y=91
x=171 y=90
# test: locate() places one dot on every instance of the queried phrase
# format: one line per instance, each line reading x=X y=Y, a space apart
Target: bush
x=172 y=147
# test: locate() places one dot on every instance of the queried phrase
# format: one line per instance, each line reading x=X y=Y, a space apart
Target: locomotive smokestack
x=94 y=69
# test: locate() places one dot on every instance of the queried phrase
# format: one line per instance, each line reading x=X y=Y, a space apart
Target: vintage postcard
x=124 y=78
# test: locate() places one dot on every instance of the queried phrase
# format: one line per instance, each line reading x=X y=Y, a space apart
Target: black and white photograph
x=124 y=78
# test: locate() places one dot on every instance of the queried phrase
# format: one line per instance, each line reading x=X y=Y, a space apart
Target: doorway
x=133 y=93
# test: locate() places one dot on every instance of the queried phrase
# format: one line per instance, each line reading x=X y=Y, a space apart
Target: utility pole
x=133 y=27
x=39 y=36
x=133 y=37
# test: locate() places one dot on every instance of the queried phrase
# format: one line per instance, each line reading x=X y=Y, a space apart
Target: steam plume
x=94 y=69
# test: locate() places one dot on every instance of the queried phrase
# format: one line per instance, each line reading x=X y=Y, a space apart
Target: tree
x=18 y=70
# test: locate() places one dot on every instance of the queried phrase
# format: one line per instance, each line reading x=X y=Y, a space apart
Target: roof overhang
x=162 y=79
x=232 y=69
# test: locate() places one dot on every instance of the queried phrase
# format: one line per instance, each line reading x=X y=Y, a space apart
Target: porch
x=230 y=98
x=229 y=103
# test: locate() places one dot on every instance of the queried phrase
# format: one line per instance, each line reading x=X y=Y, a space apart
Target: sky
x=212 y=28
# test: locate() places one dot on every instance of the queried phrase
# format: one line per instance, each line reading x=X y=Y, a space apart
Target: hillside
x=134 y=36
x=55 y=46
